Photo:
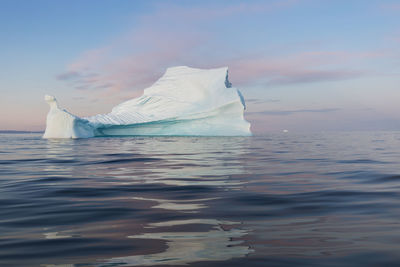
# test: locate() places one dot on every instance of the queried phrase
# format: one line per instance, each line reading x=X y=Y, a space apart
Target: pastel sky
x=302 y=65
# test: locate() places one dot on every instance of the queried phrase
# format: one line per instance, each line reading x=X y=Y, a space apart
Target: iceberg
x=184 y=101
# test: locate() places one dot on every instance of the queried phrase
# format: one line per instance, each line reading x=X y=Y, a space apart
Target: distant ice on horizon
x=184 y=101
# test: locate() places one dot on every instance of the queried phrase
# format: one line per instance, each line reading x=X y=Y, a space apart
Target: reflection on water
x=55 y=235
x=217 y=244
x=178 y=205
x=280 y=200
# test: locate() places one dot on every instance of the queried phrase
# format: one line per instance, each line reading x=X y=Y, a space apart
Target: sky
x=302 y=65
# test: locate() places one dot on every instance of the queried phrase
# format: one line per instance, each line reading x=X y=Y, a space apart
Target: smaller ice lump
x=184 y=101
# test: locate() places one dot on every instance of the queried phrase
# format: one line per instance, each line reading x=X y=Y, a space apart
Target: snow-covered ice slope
x=184 y=101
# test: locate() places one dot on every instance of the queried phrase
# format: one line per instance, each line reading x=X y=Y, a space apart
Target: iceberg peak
x=51 y=100
x=184 y=101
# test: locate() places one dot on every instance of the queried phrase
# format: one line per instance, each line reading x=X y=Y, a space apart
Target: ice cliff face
x=184 y=101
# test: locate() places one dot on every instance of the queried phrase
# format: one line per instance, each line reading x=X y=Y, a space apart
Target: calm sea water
x=276 y=200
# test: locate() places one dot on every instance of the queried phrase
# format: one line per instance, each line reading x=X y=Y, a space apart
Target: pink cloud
x=303 y=67
x=170 y=35
x=126 y=69
x=391 y=6
x=174 y=35
x=396 y=39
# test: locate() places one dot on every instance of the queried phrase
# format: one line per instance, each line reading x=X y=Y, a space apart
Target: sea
x=282 y=199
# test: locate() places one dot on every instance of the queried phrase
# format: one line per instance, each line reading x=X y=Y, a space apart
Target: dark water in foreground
x=279 y=200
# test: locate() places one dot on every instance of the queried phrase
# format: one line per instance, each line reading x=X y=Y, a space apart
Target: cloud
x=68 y=75
x=391 y=7
x=131 y=63
x=167 y=36
x=309 y=76
x=290 y=112
x=395 y=38
x=257 y=101
x=174 y=35
x=78 y=98
x=302 y=67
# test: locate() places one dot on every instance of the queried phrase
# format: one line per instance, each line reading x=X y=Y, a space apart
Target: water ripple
x=281 y=200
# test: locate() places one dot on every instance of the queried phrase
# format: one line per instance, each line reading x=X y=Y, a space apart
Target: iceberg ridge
x=184 y=101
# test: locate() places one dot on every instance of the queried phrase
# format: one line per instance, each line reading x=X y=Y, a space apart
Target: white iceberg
x=184 y=101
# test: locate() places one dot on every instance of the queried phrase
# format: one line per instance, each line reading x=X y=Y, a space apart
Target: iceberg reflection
x=218 y=244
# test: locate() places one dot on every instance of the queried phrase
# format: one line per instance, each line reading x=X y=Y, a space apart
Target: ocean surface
x=285 y=199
